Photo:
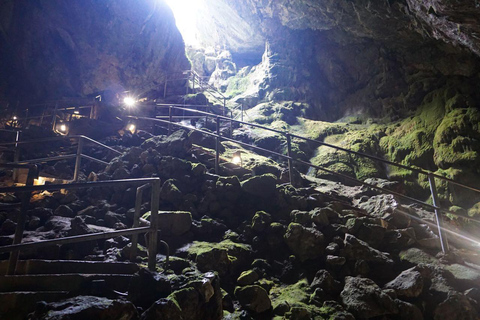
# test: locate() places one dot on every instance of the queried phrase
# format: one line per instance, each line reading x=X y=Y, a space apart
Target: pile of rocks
x=250 y=248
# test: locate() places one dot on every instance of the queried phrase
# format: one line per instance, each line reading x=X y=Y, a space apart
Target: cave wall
x=378 y=58
x=52 y=48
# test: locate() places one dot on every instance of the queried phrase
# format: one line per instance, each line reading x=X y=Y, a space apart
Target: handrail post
x=289 y=154
x=193 y=82
x=78 y=159
x=242 y=111
x=170 y=118
x=136 y=218
x=152 y=246
x=217 y=148
x=224 y=106
x=441 y=233
x=12 y=262
x=16 y=155
x=54 y=116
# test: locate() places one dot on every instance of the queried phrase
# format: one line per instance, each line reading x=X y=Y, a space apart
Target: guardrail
x=78 y=156
x=26 y=191
x=290 y=159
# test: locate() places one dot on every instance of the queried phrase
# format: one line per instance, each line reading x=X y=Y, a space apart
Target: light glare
x=186 y=18
x=129 y=101
x=63 y=128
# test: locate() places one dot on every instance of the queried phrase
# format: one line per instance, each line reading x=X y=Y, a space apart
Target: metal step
x=62 y=282
x=33 y=267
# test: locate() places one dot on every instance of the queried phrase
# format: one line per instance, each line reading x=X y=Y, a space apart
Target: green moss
x=233 y=248
x=346 y=163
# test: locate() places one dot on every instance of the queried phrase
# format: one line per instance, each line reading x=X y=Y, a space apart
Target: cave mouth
x=215 y=26
x=188 y=14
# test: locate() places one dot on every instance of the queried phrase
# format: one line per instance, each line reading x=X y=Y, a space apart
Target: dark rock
x=263 y=186
x=306 y=243
x=86 y=307
x=365 y=299
x=408 y=284
x=456 y=306
x=174 y=223
x=408 y=311
x=247 y=277
x=147 y=287
x=253 y=298
x=260 y=221
x=64 y=211
x=325 y=281
x=8 y=227
x=166 y=309
x=356 y=249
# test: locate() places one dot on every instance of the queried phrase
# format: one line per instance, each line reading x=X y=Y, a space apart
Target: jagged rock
x=319 y=216
x=247 y=277
x=306 y=243
x=355 y=249
x=325 y=281
x=408 y=311
x=8 y=227
x=64 y=211
x=166 y=309
x=253 y=298
x=146 y=287
x=87 y=307
x=365 y=299
x=456 y=306
x=201 y=299
x=335 y=260
x=408 y=284
x=170 y=192
x=386 y=207
x=225 y=257
x=260 y=221
x=174 y=223
x=263 y=186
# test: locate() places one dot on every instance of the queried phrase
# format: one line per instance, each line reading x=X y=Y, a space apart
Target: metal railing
x=437 y=209
x=78 y=156
x=26 y=191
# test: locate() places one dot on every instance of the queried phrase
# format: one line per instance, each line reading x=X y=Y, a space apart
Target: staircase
x=53 y=280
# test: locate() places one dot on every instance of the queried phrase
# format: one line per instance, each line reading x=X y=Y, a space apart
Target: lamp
x=237 y=158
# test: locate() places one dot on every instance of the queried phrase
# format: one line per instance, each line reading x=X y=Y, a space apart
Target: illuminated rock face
x=363 y=57
x=56 y=48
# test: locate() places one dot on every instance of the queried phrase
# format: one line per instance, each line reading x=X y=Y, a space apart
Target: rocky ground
x=251 y=246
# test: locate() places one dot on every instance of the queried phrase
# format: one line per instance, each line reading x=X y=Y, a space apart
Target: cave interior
x=255 y=159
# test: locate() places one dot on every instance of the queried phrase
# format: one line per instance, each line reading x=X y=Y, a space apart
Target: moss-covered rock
x=305 y=243
x=263 y=186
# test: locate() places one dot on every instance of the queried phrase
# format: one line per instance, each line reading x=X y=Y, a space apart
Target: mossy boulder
x=456 y=139
x=263 y=186
x=253 y=298
x=305 y=243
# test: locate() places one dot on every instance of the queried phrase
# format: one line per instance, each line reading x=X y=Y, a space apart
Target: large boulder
x=356 y=249
x=365 y=299
x=262 y=186
x=253 y=298
x=305 y=243
x=408 y=284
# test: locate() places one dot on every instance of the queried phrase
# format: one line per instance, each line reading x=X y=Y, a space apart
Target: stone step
x=70 y=266
x=63 y=282
x=16 y=305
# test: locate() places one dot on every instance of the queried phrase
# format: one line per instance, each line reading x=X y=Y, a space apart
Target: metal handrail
x=437 y=209
x=421 y=171
x=135 y=230
x=78 y=156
